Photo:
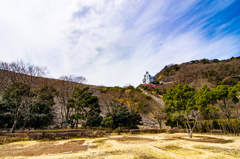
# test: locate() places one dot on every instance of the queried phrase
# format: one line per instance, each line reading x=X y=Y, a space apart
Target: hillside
x=215 y=71
x=197 y=73
x=65 y=88
x=143 y=99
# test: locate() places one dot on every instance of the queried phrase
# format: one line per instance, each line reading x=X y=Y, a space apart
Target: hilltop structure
x=148 y=78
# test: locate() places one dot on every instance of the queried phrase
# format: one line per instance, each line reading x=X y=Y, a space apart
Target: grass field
x=149 y=146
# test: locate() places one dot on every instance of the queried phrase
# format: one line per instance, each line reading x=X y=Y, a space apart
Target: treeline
x=27 y=98
x=188 y=108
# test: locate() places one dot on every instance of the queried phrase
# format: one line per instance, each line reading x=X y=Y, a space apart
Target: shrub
x=122 y=131
x=3 y=139
x=98 y=128
x=155 y=82
x=102 y=90
x=50 y=136
x=2 y=133
x=61 y=135
x=148 y=97
x=138 y=90
x=216 y=131
x=35 y=136
x=150 y=85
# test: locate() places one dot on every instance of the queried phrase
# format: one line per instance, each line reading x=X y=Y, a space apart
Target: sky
x=114 y=42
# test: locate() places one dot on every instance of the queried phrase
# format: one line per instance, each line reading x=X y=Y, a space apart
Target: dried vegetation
x=128 y=146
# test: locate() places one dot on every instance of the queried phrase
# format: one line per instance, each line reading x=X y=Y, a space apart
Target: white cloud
x=108 y=42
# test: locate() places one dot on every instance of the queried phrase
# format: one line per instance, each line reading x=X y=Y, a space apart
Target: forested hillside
x=65 y=102
x=215 y=71
x=208 y=87
x=196 y=73
x=201 y=93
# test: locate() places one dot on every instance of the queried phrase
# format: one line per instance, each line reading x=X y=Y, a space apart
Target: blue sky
x=114 y=42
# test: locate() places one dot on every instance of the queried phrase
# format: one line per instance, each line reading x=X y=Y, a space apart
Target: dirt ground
x=149 y=146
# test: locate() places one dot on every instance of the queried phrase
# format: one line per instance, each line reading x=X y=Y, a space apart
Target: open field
x=128 y=146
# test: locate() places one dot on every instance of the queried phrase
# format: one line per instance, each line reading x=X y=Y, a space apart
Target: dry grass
x=132 y=140
x=225 y=151
x=150 y=146
x=207 y=139
x=45 y=148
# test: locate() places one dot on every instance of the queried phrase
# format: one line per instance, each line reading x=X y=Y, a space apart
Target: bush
x=61 y=136
x=3 y=139
x=72 y=134
x=16 y=135
x=122 y=131
x=138 y=90
x=155 y=82
x=148 y=97
x=50 y=136
x=102 y=90
x=35 y=136
x=98 y=128
x=2 y=133
x=216 y=131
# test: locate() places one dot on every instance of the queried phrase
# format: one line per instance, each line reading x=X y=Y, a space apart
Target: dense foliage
x=27 y=108
x=189 y=107
x=86 y=108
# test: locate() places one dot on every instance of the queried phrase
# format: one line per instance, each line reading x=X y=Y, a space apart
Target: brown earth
x=128 y=146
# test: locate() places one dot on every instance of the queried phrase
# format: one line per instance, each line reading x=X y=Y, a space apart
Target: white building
x=148 y=78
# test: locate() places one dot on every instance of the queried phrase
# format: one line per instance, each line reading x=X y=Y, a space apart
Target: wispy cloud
x=113 y=42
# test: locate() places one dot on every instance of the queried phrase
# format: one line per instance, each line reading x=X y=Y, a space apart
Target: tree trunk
x=160 y=124
x=66 y=122
x=24 y=124
x=76 y=123
x=14 y=126
x=190 y=134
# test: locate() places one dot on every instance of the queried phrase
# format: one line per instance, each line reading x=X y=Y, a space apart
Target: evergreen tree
x=18 y=100
x=180 y=104
x=86 y=106
x=42 y=113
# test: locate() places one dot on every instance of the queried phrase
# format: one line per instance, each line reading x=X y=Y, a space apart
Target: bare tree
x=156 y=111
x=110 y=104
x=20 y=72
x=66 y=86
x=34 y=71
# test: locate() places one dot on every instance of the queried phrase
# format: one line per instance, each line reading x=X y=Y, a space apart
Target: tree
x=74 y=119
x=5 y=116
x=108 y=122
x=42 y=112
x=226 y=99
x=119 y=112
x=134 y=101
x=86 y=106
x=180 y=104
x=111 y=105
x=122 y=117
x=156 y=111
x=20 y=71
x=65 y=88
x=234 y=93
x=18 y=99
x=205 y=99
